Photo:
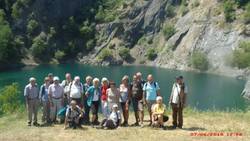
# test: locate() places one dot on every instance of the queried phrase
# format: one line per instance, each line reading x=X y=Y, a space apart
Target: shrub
x=32 y=26
x=39 y=48
x=124 y=53
x=241 y=56
x=170 y=11
x=86 y=31
x=59 y=55
x=10 y=98
x=183 y=10
x=151 y=54
x=195 y=3
x=229 y=11
x=246 y=15
x=105 y=54
x=90 y=44
x=169 y=30
x=199 y=61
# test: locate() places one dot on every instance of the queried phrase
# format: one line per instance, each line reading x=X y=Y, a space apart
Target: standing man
x=65 y=84
x=151 y=90
x=85 y=99
x=76 y=91
x=44 y=99
x=136 y=98
x=51 y=76
x=178 y=101
x=93 y=95
x=31 y=94
x=55 y=98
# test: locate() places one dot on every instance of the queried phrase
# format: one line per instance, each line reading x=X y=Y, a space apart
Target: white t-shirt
x=175 y=91
x=115 y=116
x=76 y=90
x=96 y=96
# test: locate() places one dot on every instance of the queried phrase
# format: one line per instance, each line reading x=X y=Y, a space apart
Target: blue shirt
x=151 y=90
x=91 y=92
x=43 y=95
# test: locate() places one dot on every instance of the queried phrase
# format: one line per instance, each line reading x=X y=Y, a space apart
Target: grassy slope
x=13 y=128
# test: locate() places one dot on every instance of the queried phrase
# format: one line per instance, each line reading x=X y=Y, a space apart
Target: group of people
x=78 y=99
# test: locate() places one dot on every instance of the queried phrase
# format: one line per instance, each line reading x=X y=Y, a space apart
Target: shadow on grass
x=187 y=129
x=194 y=129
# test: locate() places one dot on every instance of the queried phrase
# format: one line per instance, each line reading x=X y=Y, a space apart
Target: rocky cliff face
x=199 y=29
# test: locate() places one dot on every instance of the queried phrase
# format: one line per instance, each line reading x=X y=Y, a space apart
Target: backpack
x=43 y=90
x=155 y=85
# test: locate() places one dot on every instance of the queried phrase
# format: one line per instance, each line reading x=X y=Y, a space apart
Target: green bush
x=170 y=11
x=241 y=56
x=10 y=99
x=9 y=49
x=183 y=10
x=59 y=55
x=151 y=54
x=39 y=48
x=169 y=30
x=195 y=3
x=32 y=26
x=105 y=54
x=199 y=61
x=229 y=11
x=247 y=14
x=86 y=31
x=90 y=44
x=124 y=53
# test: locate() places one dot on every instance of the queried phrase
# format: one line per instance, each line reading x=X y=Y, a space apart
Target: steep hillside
x=204 y=35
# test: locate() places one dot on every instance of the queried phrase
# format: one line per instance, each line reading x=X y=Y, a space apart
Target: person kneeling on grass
x=74 y=116
x=159 y=113
x=114 y=119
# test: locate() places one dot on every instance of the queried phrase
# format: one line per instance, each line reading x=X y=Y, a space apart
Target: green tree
x=151 y=54
x=9 y=51
x=199 y=61
x=247 y=14
x=124 y=53
x=32 y=26
x=229 y=11
x=169 y=30
x=40 y=48
x=241 y=56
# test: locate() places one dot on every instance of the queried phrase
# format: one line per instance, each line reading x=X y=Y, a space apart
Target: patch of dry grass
x=13 y=128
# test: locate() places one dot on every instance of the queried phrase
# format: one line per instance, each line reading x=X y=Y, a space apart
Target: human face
x=105 y=83
x=150 y=78
x=96 y=83
x=68 y=76
x=88 y=81
x=56 y=82
x=159 y=101
x=33 y=82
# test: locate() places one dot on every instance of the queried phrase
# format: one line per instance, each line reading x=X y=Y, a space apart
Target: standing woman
x=125 y=93
x=104 y=87
x=93 y=95
x=113 y=96
x=44 y=99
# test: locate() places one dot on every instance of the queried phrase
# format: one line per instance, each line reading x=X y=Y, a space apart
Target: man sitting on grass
x=73 y=116
x=114 y=119
x=159 y=113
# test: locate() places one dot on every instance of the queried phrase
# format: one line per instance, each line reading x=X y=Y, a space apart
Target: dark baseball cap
x=179 y=77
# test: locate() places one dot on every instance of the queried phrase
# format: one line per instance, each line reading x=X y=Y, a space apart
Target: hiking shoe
x=150 y=123
x=135 y=124
x=124 y=124
x=142 y=125
x=36 y=124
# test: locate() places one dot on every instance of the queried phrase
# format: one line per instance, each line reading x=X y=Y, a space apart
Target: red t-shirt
x=104 y=94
